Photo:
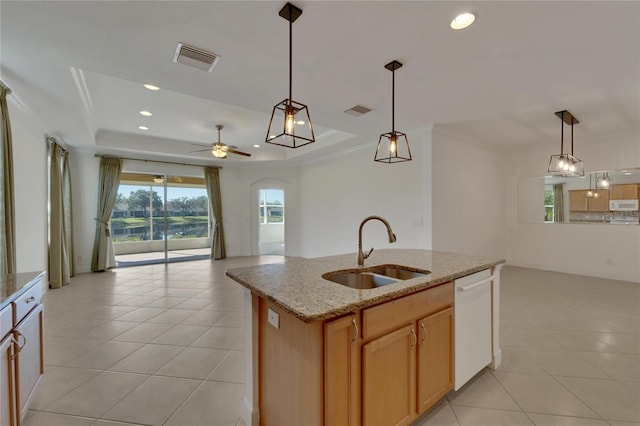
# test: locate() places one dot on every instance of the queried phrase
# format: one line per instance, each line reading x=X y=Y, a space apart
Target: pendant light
x=290 y=123
x=393 y=147
x=591 y=193
x=566 y=165
x=605 y=182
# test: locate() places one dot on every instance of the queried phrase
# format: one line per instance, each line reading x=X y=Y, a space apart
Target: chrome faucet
x=392 y=237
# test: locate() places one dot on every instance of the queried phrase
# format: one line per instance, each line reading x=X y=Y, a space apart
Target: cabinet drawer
x=6 y=320
x=390 y=315
x=26 y=302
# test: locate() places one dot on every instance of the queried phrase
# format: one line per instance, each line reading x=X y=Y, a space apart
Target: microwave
x=623 y=205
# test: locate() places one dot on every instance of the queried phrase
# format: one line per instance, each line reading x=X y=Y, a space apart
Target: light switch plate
x=274 y=318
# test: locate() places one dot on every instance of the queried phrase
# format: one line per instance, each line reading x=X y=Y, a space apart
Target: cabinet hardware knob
x=31 y=299
x=415 y=338
x=424 y=332
x=355 y=326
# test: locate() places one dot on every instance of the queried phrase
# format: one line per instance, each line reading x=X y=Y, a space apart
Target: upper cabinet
x=579 y=202
x=624 y=192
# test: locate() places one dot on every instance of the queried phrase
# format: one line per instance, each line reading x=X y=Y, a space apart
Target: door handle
x=424 y=332
x=475 y=285
x=415 y=338
x=355 y=326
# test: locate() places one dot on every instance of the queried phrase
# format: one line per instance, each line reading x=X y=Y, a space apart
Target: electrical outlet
x=274 y=318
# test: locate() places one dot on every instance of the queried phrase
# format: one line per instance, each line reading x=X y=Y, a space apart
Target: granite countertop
x=296 y=285
x=13 y=285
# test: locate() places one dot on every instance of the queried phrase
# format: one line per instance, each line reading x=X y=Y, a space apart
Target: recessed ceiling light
x=256 y=146
x=463 y=20
x=151 y=87
x=146 y=113
x=143 y=128
x=627 y=173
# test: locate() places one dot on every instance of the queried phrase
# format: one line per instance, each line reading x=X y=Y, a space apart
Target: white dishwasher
x=472 y=325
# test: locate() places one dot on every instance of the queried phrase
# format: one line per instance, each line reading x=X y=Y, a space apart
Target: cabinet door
x=435 y=358
x=342 y=372
x=388 y=378
x=630 y=192
x=7 y=383
x=29 y=363
x=577 y=201
x=600 y=204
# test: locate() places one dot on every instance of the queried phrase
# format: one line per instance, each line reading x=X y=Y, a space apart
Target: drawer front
x=26 y=302
x=6 y=320
x=391 y=315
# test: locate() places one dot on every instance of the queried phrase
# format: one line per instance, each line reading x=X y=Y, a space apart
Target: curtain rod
x=4 y=86
x=155 y=161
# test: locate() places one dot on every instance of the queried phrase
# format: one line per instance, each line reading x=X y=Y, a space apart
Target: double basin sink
x=374 y=277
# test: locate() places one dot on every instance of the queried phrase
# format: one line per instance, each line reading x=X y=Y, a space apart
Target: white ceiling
x=79 y=67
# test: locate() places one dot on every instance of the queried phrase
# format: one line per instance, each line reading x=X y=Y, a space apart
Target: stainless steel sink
x=373 y=277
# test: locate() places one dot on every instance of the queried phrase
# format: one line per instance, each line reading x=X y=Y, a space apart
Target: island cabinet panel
x=388 y=316
x=435 y=358
x=290 y=369
x=388 y=379
x=342 y=371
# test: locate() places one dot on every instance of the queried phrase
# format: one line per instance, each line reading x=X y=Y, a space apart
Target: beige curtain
x=558 y=203
x=212 y=180
x=61 y=261
x=7 y=203
x=109 y=181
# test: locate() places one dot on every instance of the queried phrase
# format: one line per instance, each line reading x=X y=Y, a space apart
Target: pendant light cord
x=562 y=134
x=572 y=136
x=393 y=100
x=290 y=51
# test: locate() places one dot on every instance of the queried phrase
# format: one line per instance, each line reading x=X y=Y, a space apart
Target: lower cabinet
x=435 y=358
x=393 y=370
x=389 y=378
x=29 y=364
x=7 y=382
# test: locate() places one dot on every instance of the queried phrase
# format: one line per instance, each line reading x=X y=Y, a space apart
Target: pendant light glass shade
x=393 y=146
x=290 y=123
x=604 y=182
x=564 y=164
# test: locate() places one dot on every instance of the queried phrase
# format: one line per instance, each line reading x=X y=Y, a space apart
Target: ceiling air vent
x=358 y=110
x=195 y=57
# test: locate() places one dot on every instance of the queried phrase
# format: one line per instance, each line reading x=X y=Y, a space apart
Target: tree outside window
x=548 y=203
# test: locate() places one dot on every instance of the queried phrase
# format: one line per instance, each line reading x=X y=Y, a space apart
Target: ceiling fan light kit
x=219 y=149
x=393 y=146
x=565 y=164
x=290 y=125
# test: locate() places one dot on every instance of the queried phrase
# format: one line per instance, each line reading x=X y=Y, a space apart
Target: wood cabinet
x=394 y=367
x=625 y=192
x=435 y=358
x=579 y=202
x=389 y=378
x=342 y=371
x=600 y=204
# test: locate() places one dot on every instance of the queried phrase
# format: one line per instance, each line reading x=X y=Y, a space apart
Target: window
x=271 y=207
x=548 y=203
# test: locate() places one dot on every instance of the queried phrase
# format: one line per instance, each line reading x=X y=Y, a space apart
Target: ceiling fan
x=219 y=149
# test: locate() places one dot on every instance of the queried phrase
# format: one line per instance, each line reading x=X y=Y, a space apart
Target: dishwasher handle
x=474 y=285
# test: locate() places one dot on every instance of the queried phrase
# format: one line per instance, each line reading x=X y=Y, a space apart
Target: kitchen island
x=318 y=352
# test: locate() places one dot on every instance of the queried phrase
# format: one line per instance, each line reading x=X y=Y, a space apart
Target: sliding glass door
x=160 y=218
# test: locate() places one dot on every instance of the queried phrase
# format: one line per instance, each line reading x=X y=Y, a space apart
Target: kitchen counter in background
x=297 y=285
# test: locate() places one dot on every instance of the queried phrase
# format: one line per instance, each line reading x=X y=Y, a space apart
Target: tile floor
x=163 y=345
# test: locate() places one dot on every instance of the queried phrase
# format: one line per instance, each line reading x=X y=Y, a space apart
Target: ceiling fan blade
x=233 y=151
x=200 y=144
x=200 y=150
